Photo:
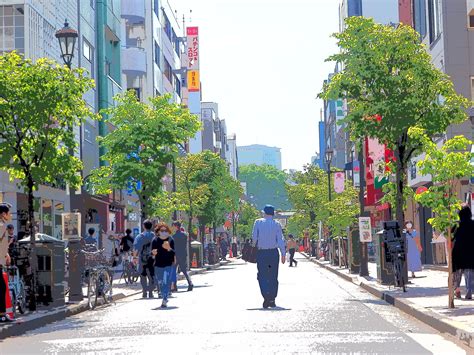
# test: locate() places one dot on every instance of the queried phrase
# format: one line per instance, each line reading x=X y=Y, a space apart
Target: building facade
x=259 y=155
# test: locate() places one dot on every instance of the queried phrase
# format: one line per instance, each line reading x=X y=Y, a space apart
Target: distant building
x=259 y=155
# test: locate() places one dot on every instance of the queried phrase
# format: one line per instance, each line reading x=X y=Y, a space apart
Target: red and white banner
x=339 y=179
x=193 y=48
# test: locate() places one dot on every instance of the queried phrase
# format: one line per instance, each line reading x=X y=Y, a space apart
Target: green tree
x=191 y=191
x=391 y=85
x=247 y=216
x=447 y=166
x=299 y=223
x=343 y=210
x=144 y=141
x=309 y=196
x=265 y=185
x=40 y=103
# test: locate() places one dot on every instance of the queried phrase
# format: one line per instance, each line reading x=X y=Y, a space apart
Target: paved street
x=318 y=312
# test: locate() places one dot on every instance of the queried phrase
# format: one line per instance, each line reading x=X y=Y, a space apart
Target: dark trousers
x=292 y=257
x=267 y=265
x=147 y=278
x=181 y=261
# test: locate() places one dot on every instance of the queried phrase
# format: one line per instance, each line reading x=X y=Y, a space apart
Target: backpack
x=145 y=253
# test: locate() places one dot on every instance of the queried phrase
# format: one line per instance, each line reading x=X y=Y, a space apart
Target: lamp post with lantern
x=67 y=37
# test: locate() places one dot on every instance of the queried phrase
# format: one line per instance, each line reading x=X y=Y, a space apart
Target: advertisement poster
x=365 y=229
x=339 y=182
x=71 y=226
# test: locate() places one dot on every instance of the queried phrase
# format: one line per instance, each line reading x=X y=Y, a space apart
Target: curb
x=434 y=320
x=18 y=328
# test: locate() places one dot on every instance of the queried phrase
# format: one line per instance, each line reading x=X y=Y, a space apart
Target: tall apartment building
x=29 y=27
x=259 y=155
x=446 y=27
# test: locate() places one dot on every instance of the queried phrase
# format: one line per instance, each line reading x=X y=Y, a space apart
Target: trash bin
x=196 y=254
x=50 y=266
x=212 y=253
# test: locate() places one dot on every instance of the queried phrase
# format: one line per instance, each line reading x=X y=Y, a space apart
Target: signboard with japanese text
x=365 y=229
x=192 y=51
x=193 y=81
x=71 y=226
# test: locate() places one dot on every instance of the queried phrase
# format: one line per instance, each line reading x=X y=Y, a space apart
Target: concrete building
x=29 y=27
x=259 y=155
x=232 y=155
x=445 y=27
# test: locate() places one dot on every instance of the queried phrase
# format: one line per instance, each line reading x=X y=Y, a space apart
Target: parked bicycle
x=17 y=289
x=99 y=277
x=395 y=252
x=130 y=271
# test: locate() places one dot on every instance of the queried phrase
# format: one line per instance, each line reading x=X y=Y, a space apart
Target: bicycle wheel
x=22 y=299
x=134 y=274
x=105 y=280
x=92 y=290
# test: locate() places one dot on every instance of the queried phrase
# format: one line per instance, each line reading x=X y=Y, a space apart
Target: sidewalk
x=426 y=299
x=41 y=317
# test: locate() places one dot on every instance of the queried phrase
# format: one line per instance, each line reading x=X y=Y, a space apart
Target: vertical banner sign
x=339 y=182
x=365 y=229
x=193 y=48
x=192 y=53
x=193 y=81
x=71 y=226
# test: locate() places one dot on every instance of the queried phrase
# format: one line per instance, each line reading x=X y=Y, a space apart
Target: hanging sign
x=71 y=226
x=339 y=179
x=365 y=229
x=192 y=34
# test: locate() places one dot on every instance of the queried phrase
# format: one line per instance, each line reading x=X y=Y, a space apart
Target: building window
x=419 y=17
x=156 y=8
x=471 y=19
x=87 y=50
x=168 y=29
x=157 y=55
x=177 y=85
x=434 y=19
x=167 y=70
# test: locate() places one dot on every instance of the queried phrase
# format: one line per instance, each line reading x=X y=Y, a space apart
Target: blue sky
x=263 y=62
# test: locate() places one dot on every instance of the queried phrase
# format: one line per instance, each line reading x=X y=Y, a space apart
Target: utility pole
x=364 y=257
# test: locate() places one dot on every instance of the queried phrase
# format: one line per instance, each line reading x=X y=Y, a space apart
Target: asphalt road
x=317 y=313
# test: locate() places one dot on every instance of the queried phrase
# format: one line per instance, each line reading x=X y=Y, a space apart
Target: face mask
x=409 y=225
x=164 y=235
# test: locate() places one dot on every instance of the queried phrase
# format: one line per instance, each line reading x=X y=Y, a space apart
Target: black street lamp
x=67 y=37
x=329 y=156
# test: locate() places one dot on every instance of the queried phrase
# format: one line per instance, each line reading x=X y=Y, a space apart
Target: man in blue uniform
x=268 y=237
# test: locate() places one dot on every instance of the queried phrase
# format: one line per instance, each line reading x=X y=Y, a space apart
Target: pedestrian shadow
x=169 y=308
x=276 y=309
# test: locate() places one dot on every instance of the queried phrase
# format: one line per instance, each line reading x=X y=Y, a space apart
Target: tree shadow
x=276 y=309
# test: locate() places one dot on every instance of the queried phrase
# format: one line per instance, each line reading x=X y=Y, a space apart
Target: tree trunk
x=31 y=227
x=450 y=271
x=400 y=180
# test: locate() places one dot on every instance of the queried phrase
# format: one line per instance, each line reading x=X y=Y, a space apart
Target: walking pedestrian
x=165 y=258
x=126 y=242
x=413 y=249
x=224 y=246
x=5 y=216
x=181 y=241
x=142 y=247
x=292 y=245
x=267 y=235
x=234 y=247
x=463 y=252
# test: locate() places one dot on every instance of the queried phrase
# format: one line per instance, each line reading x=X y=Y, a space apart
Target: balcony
x=133 y=10
x=133 y=60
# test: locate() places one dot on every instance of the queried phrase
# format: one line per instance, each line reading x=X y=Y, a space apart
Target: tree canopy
x=141 y=145
x=265 y=185
x=391 y=85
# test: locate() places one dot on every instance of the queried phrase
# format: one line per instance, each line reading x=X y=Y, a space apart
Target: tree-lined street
x=317 y=313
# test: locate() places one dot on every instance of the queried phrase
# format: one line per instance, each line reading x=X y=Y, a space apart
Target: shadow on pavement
x=276 y=309
x=376 y=301
x=169 y=308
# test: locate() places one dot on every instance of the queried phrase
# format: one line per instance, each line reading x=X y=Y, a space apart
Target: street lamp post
x=67 y=38
x=329 y=156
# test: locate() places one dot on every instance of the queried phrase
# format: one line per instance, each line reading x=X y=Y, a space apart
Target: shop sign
x=365 y=229
x=71 y=226
x=339 y=182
